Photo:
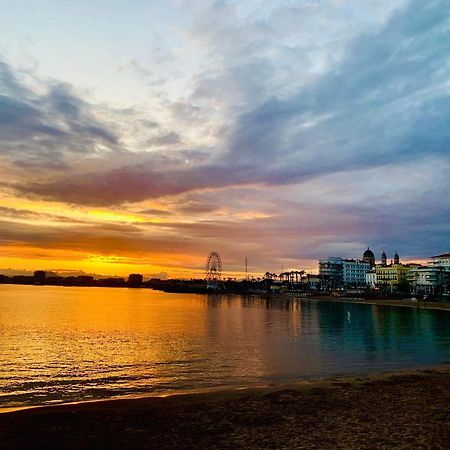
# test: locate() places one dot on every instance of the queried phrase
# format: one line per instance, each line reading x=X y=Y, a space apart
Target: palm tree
x=292 y=276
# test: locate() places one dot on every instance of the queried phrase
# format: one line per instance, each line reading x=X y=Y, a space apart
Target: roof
x=444 y=255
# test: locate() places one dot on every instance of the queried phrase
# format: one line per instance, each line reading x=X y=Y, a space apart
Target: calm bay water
x=61 y=344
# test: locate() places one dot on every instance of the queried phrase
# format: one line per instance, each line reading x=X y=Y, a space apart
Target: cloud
x=47 y=126
x=127 y=241
x=385 y=101
x=170 y=138
x=155 y=212
x=29 y=215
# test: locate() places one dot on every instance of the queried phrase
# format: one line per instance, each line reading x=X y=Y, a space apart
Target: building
x=432 y=279
x=354 y=272
x=391 y=275
x=338 y=272
x=311 y=282
x=331 y=273
x=441 y=260
x=371 y=278
x=39 y=277
x=388 y=276
x=427 y=280
x=135 y=280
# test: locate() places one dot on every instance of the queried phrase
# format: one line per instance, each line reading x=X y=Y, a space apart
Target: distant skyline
x=139 y=136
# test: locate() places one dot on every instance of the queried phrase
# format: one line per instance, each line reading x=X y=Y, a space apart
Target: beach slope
x=403 y=410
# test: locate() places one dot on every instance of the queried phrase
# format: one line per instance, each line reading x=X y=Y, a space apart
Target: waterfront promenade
x=403 y=410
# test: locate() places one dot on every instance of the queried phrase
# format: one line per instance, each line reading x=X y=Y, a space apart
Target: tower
x=396 y=258
x=383 y=259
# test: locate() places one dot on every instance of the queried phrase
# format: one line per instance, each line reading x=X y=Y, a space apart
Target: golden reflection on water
x=59 y=329
x=67 y=344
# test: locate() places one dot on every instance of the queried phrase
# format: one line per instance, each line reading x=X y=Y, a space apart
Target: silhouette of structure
x=39 y=277
x=213 y=268
x=135 y=280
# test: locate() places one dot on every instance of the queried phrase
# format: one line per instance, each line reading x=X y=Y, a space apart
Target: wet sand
x=401 y=410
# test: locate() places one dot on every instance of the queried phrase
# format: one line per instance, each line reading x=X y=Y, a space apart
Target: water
x=60 y=344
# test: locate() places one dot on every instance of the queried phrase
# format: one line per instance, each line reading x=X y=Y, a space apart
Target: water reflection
x=61 y=344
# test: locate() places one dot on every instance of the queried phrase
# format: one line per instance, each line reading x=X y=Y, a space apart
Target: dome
x=383 y=255
x=369 y=257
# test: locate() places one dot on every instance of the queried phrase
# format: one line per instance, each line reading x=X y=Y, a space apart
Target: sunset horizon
x=224 y=224
x=278 y=132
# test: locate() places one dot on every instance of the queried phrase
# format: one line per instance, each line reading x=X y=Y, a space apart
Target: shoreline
x=441 y=306
x=226 y=390
x=429 y=305
x=396 y=409
x=230 y=390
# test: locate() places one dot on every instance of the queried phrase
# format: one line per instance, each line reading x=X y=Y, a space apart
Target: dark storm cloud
x=42 y=129
x=387 y=101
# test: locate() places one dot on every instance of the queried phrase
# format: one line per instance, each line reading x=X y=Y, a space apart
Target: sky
x=138 y=136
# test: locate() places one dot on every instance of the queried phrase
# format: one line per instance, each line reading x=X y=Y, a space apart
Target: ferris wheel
x=213 y=267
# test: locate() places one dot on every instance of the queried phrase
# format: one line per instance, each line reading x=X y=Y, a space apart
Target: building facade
x=432 y=279
x=427 y=280
x=441 y=260
x=354 y=272
x=391 y=275
x=331 y=273
x=371 y=278
x=338 y=272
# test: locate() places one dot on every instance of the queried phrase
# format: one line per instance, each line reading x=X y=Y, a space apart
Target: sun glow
x=113 y=216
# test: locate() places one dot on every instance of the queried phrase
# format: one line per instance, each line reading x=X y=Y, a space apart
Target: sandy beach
x=399 y=410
